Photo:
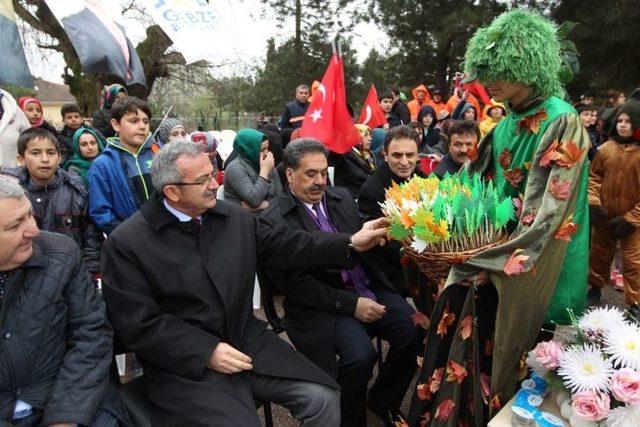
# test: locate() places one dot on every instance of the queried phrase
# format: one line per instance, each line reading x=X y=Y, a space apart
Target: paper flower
x=584 y=367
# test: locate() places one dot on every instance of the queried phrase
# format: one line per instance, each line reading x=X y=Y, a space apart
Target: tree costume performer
x=614 y=196
x=479 y=332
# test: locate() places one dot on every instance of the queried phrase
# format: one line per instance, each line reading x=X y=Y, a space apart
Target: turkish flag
x=327 y=118
x=372 y=115
x=478 y=91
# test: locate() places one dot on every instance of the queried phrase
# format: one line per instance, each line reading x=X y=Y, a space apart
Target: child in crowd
x=59 y=200
x=386 y=104
x=72 y=119
x=32 y=108
x=614 y=194
x=170 y=130
x=588 y=117
x=87 y=144
x=493 y=114
x=102 y=117
x=119 y=179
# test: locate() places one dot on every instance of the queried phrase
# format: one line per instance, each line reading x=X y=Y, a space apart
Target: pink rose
x=590 y=405
x=625 y=386
x=548 y=354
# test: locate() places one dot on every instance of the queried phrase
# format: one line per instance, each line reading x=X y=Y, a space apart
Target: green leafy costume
x=537 y=154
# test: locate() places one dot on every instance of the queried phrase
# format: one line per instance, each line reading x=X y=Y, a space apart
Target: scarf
x=78 y=160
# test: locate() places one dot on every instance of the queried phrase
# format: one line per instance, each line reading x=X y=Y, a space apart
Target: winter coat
x=174 y=291
x=242 y=183
x=454 y=100
x=351 y=171
x=414 y=106
x=56 y=345
x=12 y=123
x=314 y=298
x=401 y=111
x=293 y=115
x=62 y=207
x=433 y=141
x=112 y=196
x=446 y=165
x=65 y=140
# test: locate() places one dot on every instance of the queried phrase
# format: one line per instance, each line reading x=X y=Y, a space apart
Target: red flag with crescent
x=372 y=115
x=327 y=118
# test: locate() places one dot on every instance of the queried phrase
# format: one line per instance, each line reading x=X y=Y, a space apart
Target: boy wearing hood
x=614 y=192
x=119 y=179
x=420 y=97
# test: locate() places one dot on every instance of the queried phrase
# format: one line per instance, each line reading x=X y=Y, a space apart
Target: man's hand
x=227 y=360
x=478 y=279
x=371 y=234
x=368 y=311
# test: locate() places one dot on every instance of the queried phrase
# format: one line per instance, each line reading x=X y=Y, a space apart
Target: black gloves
x=620 y=228
x=597 y=214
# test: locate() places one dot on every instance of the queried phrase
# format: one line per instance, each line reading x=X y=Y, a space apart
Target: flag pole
x=166 y=115
x=333 y=46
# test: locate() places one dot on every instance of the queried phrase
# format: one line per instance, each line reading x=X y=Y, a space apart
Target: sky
x=246 y=32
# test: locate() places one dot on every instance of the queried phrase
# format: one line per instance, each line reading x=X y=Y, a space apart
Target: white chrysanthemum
x=585 y=368
x=623 y=344
x=601 y=319
x=624 y=416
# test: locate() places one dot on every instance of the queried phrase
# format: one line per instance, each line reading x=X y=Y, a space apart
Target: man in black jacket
x=178 y=280
x=463 y=141
x=333 y=312
x=55 y=342
x=294 y=111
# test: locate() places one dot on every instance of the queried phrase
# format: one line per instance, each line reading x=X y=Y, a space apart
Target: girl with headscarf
x=210 y=143
x=102 y=117
x=354 y=167
x=170 y=130
x=87 y=145
x=251 y=179
x=32 y=108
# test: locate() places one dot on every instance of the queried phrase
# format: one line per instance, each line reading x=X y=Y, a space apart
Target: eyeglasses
x=201 y=181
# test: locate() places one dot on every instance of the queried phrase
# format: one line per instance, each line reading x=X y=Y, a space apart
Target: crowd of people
x=112 y=233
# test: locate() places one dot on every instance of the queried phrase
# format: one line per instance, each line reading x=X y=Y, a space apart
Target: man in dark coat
x=463 y=141
x=294 y=111
x=56 y=345
x=178 y=282
x=333 y=312
x=399 y=109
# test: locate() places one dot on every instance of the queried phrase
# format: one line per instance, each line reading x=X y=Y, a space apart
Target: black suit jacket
x=314 y=297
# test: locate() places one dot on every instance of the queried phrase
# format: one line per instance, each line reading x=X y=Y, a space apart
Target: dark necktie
x=358 y=277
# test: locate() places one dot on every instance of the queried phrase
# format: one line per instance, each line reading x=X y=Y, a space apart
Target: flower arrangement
x=599 y=368
x=455 y=214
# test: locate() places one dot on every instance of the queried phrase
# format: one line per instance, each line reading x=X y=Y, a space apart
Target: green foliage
x=19 y=91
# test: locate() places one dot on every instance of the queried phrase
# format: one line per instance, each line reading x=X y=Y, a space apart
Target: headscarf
x=77 y=159
x=109 y=94
x=23 y=101
x=208 y=141
x=247 y=143
x=359 y=149
x=165 y=128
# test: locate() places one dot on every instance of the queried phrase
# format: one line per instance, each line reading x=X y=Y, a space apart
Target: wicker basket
x=435 y=266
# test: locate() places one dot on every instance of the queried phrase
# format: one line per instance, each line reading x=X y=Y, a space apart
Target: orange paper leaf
x=485 y=386
x=513 y=176
x=488 y=348
x=423 y=392
x=446 y=321
x=406 y=220
x=551 y=155
x=505 y=159
x=436 y=380
x=456 y=372
x=444 y=410
x=472 y=154
x=515 y=263
x=532 y=123
x=567 y=229
x=571 y=154
x=561 y=190
x=528 y=219
x=420 y=319
x=419 y=361
x=466 y=325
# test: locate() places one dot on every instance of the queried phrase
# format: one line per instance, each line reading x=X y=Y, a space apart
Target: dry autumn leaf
x=515 y=263
x=466 y=326
x=505 y=159
x=446 y=321
x=561 y=190
x=571 y=154
x=444 y=410
x=532 y=123
x=456 y=372
x=551 y=155
x=567 y=229
x=420 y=319
x=423 y=392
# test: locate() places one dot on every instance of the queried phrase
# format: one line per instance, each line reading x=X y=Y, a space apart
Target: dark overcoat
x=174 y=291
x=315 y=296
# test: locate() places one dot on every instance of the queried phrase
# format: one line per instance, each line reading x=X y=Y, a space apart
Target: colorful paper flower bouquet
x=444 y=222
x=597 y=370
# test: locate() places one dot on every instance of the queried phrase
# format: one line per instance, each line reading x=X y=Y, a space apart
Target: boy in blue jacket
x=120 y=178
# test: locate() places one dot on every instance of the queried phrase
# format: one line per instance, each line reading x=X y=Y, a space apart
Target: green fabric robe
x=553 y=277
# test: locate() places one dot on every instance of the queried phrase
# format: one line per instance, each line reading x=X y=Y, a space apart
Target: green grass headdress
x=518 y=47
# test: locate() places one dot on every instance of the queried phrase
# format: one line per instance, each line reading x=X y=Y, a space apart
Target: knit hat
x=22 y=103
x=165 y=128
x=518 y=47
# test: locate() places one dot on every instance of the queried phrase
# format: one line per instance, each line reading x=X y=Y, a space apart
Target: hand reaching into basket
x=478 y=279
